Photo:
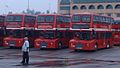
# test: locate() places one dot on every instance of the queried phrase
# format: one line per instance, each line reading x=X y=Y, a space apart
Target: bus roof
x=22 y=14
x=52 y=15
x=87 y=13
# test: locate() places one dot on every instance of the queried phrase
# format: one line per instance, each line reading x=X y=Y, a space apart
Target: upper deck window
x=86 y=18
x=96 y=19
x=30 y=19
x=67 y=19
x=63 y=19
x=41 y=19
x=13 y=18
x=49 y=19
x=45 y=19
x=76 y=18
x=2 y=19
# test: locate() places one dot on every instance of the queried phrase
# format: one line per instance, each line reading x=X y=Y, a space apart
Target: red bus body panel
x=11 y=26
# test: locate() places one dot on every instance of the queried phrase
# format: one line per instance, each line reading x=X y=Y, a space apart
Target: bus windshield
x=86 y=18
x=13 y=18
x=83 y=35
x=2 y=19
x=45 y=19
x=15 y=33
x=49 y=35
x=76 y=18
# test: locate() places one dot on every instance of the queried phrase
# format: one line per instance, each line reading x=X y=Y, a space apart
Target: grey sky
x=18 y=6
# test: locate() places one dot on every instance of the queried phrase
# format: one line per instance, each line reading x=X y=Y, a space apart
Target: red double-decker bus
x=2 y=29
x=91 y=32
x=116 y=31
x=53 y=31
x=18 y=26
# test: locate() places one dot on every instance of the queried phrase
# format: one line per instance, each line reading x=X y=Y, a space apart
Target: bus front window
x=49 y=35
x=45 y=19
x=63 y=19
x=15 y=33
x=13 y=18
x=86 y=19
x=30 y=19
x=18 y=34
x=76 y=18
x=49 y=19
x=2 y=19
x=41 y=19
x=83 y=35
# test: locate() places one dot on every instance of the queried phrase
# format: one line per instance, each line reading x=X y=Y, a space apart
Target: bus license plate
x=43 y=46
x=12 y=44
x=78 y=47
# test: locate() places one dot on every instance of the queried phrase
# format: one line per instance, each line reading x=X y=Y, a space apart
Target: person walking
x=25 y=51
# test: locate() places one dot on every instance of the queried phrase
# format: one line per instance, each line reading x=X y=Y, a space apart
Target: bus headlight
x=37 y=44
x=87 y=44
x=6 y=42
x=51 y=43
x=72 y=45
x=19 y=41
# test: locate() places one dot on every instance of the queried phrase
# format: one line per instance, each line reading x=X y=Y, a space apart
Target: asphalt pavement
x=64 y=58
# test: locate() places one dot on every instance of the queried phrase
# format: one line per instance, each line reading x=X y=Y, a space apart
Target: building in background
x=102 y=7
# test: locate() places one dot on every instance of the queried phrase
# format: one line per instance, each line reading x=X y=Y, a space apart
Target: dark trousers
x=25 y=58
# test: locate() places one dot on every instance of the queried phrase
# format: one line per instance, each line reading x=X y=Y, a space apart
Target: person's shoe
x=27 y=63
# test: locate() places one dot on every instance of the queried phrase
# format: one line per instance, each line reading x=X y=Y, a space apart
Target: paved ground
x=106 y=58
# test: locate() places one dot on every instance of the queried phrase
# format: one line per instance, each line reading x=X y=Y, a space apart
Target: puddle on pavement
x=61 y=63
x=64 y=62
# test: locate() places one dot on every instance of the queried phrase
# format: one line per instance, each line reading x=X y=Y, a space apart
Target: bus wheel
x=59 y=45
x=108 y=45
x=96 y=47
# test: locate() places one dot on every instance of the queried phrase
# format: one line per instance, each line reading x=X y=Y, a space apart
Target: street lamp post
x=28 y=6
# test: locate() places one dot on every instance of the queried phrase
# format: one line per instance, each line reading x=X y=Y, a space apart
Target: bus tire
x=59 y=45
x=96 y=47
x=11 y=47
x=108 y=45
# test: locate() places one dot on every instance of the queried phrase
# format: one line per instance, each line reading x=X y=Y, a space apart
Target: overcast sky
x=18 y=6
